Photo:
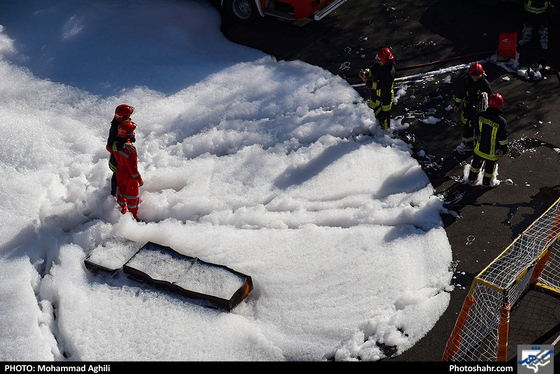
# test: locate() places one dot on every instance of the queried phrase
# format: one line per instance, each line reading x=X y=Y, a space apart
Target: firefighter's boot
x=543 y=32
x=527 y=34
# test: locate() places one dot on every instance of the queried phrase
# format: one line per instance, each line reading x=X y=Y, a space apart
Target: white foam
x=247 y=161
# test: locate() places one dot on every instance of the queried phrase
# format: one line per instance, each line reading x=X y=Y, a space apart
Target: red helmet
x=126 y=129
x=476 y=69
x=495 y=101
x=123 y=112
x=384 y=55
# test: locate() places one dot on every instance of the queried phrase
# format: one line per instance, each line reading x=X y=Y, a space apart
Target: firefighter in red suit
x=128 y=176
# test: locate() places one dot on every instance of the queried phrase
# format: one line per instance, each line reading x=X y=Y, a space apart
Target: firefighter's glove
x=502 y=151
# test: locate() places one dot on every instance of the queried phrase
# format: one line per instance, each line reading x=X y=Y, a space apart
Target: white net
x=533 y=258
x=550 y=276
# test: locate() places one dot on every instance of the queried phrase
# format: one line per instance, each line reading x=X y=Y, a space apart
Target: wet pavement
x=429 y=35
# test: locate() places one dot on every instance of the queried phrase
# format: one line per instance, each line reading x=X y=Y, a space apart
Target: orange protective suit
x=128 y=180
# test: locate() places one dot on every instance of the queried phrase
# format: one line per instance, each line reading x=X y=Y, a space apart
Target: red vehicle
x=247 y=11
x=494 y=2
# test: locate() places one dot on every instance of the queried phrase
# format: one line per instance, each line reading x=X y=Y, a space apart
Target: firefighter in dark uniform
x=536 y=15
x=115 y=143
x=381 y=78
x=491 y=140
x=469 y=99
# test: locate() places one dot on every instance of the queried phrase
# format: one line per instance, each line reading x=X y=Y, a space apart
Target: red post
x=503 y=332
x=454 y=340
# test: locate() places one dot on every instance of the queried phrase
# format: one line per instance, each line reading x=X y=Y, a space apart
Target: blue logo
x=535 y=359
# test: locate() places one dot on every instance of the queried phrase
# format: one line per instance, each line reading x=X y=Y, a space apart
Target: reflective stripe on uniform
x=112 y=167
x=531 y=9
x=491 y=154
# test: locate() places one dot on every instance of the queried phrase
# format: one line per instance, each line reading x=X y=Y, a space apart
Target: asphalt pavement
x=428 y=35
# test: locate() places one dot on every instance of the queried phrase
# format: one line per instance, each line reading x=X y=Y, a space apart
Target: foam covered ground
x=248 y=162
